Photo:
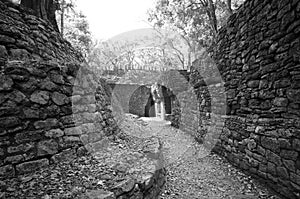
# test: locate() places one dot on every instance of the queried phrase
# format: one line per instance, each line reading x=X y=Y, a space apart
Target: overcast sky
x=108 y=18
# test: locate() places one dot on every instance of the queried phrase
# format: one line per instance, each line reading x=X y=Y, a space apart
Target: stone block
x=48 y=85
x=280 y=102
x=295 y=178
x=8 y=122
x=54 y=133
x=22 y=148
x=31 y=113
x=261 y=150
x=283 y=83
x=40 y=97
x=260 y=158
x=262 y=168
x=8 y=111
x=52 y=111
x=59 y=98
x=46 y=124
x=262 y=174
x=272 y=178
x=124 y=186
x=88 y=117
x=47 y=147
x=28 y=136
x=57 y=78
x=231 y=93
x=6 y=39
x=19 y=54
x=29 y=86
x=296 y=144
x=76 y=99
x=273 y=157
x=67 y=142
x=259 y=130
x=6 y=83
x=73 y=131
x=79 y=108
x=64 y=156
x=7 y=171
x=282 y=172
x=271 y=168
x=17 y=96
x=31 y=166
x=72 y=139
x=14 y=159
x=265 y=94
x=3 y=51
x=3 y=97
x=290 y=165
x=66 y=109
x=265 y=105
x=270 y=143
x=288 y=154
x=92 y=108
x=294 y=95
x=89 y=128
x=68 y=120
x=99 y=194
x=284 y=143
x=253 y=84
x=296 y=84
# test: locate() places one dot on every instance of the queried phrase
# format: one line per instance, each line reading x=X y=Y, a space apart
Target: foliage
x=148 y=53
x=195 y=20
x=196 y=23
x=74 y=26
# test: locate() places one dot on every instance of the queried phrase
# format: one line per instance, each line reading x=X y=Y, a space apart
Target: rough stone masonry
x=258 y=58
x=51 y=105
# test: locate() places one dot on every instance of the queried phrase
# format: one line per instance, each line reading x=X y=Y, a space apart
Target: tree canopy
x=195 y=23
x=74 y=27
x=196 y=20
x=65 y=19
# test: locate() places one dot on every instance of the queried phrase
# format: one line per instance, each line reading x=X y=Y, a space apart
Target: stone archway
x=149 y=108
x=162 y=97
x=139 y=100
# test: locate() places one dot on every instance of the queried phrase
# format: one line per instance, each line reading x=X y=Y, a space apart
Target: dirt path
x=194 y=173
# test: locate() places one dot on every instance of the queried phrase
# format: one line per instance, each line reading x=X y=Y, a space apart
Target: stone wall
x=126 y=94
x=50 y=104
x=47 y=112
x=132 y=91
x=139 y=99
x=258 y=58
x=53 y=109
x=24 y=36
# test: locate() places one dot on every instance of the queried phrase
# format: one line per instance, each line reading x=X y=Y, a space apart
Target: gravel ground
x=194 y=173
x=102 y=170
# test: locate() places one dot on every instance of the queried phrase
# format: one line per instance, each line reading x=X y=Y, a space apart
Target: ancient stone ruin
x=244 y=104
x=54 y=109
x=257 y=57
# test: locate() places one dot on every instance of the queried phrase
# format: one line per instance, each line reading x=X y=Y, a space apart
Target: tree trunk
x=229 y=7
x=44 y=9
x=212 y=9
x=62 y=18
